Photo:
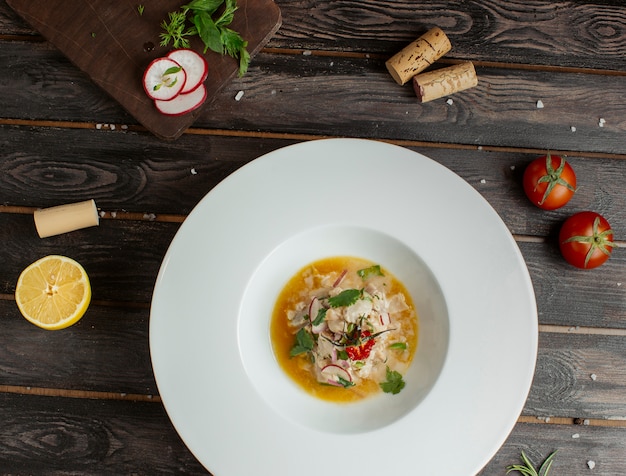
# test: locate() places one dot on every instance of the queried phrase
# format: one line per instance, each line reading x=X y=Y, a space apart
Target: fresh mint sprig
x=208 y=19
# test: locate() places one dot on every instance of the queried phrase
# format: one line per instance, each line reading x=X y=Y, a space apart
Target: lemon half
x=53 y=292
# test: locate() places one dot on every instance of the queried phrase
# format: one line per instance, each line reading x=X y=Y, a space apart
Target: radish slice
x=183 y=103
x=340 y=278
x=333 y=372
x=164 y=79
x=195 y=66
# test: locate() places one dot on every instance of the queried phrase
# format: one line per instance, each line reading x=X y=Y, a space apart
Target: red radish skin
x=183 y=103
x=195 y=66
x=385 y=319
x=164 y=79
x=332 y=372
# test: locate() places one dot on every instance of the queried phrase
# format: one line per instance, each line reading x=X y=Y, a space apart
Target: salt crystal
x=576 y=435
x=102 y=214
x=547 y=419
x=193 y=172
x=149 y=216
x=591 y=464
x=586 y=421
x=332 y=63
x=307 y=52
x=572 y=128
x=124 y=127
x=540 y=104
x=480 y=147
x=601 y=122
x=112 y=127
x=113 y=214
x=512 y=167
x=239 y=96
x=483 y=181
x=619 y=284
x=98 y=126
x=450 y=102
x=593 y=377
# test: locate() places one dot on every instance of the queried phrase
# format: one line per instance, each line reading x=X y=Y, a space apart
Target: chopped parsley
x=394 y=382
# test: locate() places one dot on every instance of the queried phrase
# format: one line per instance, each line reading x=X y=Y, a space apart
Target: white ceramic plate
x=209 y=328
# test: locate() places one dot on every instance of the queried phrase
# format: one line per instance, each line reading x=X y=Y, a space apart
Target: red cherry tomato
x=549 y=182
x=586 y=240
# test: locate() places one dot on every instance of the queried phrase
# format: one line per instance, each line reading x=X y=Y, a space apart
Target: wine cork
x=64 y=218
x=419 y=55
x=445 y=81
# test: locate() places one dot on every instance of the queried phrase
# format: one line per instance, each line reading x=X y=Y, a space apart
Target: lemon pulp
x=53 y=292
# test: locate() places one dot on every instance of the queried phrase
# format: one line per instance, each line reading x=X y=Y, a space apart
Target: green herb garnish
x=528 y=469
x=345 y=298
x=394 y=382
x=304 y=343
x=321 y=315
x=367 y=273
x=398 y=346
x=345 y=383
x=140 y=9
x=201 y=18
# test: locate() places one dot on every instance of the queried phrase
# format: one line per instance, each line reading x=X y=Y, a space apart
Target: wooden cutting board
x=113 y=43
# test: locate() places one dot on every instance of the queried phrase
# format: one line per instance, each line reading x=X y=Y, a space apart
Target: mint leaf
x=394 y=382
x=209 y=6
x=208 y=31
x=345 y=298
x=304 y=343
x=367 y=273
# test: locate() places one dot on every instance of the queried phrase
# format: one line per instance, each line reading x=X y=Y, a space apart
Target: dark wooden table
x=84 y=400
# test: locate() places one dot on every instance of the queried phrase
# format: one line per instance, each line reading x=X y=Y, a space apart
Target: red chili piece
x=361 y=352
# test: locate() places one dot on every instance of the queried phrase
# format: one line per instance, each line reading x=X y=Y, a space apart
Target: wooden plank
x=593 y=298
x=106 y=351
x=44 y=167
x=579 y=376
x=122 y=263
x=603 y=446
x=49 y=435
x=40 y=84
x=476 y=116
x=114 y=43
x=521 y=33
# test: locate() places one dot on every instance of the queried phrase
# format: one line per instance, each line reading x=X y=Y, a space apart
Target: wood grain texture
x=63 y=436
x=579 y=34
x=564 y=378
x=108 y=42
x=120 y=259
x=44 y=167
x=106 y=351
x=501 y=110
x=603 y=446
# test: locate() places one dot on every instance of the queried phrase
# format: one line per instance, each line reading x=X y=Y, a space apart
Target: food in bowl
x=344 y=328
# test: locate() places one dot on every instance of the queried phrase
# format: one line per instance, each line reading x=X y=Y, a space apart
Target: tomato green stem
x=553 y=178
x=596 y=241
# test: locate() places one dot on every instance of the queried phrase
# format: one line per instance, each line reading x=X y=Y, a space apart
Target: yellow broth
x=299 y=368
